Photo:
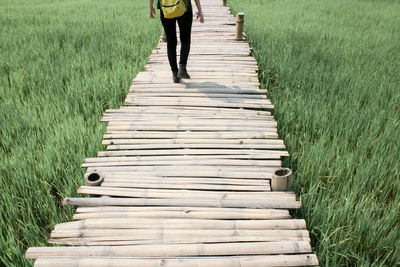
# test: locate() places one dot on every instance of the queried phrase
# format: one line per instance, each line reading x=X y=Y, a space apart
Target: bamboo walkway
x=187 y=170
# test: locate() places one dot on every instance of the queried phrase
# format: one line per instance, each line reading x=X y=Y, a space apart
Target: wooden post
x=281 y=180
x=164 y=36
x=224 y=2
x=239 y=27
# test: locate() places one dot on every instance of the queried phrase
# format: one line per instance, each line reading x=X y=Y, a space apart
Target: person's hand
x=200 y=15
x=152 y=12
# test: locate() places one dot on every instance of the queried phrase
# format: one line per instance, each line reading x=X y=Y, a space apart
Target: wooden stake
x=239 y=27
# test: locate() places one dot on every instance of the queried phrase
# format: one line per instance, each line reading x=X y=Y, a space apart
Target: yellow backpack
x=173 y=8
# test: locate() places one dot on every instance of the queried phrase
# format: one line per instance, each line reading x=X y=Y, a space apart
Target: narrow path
x=187 y=170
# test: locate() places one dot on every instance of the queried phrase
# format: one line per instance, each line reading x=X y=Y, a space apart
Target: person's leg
x=170 y=31
x=185 y=27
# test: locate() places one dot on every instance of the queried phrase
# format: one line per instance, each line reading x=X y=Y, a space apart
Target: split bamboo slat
x=185 y=178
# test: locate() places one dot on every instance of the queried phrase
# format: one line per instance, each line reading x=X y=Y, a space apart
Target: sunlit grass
x=62 y=63
x=332 y=71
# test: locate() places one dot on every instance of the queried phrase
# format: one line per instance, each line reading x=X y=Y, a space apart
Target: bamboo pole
x=182 y=160
x=193 y=141
x=180 y=215
x=218 y=162
x=124 y=241
x=243 y=261
x=191 y=169
x=266 y=154
x=161 y=250
x=187 y=210
x=204 y=135
x=268 y=204
x=145 y=223
x=160 y=233
x=236 y=188
x=268 y=148
x=194 y=154
x=185 y=180
x=231 y=174
x=185 y=194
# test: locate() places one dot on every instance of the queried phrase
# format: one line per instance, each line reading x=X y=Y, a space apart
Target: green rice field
x=62 y=63
x=331 y=68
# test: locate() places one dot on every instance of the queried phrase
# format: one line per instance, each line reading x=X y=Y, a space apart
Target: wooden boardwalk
x=187 y=170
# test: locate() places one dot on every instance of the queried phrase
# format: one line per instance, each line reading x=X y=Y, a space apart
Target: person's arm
x=199 y=12
x=152 y=10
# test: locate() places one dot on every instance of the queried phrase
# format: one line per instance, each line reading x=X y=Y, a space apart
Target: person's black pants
x=185 y=28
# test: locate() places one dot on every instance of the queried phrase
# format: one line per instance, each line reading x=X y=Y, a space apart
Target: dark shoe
x=175 y=77
x=182 y=73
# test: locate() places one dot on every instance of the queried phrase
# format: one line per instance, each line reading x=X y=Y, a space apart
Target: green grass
x=62 y=63
x=331 y=68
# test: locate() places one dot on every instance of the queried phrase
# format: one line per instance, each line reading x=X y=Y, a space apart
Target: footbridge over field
x=192 y=172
